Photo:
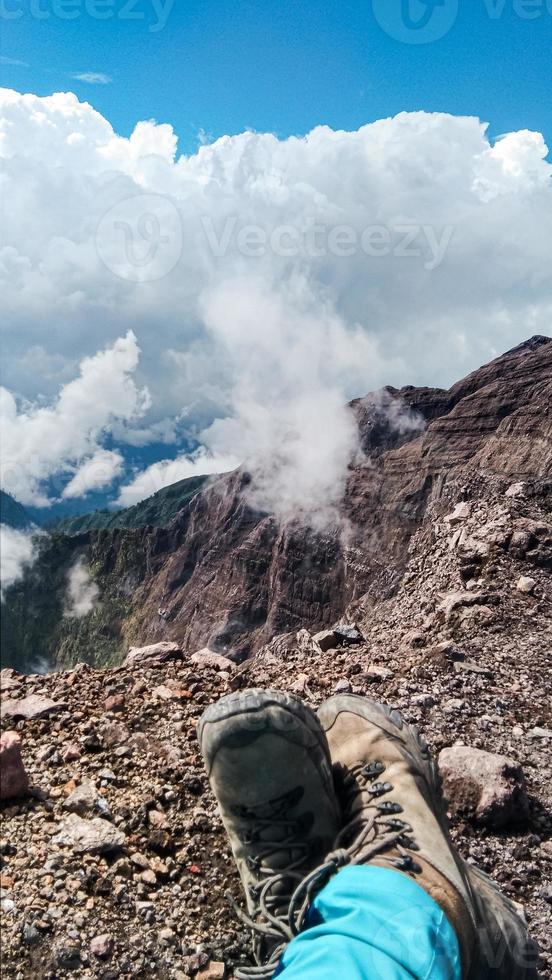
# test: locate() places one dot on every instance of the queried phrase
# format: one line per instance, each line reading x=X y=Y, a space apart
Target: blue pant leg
x=370 y=923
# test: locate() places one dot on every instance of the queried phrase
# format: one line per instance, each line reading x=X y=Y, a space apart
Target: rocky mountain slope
x=116 y=866
x=225 y=575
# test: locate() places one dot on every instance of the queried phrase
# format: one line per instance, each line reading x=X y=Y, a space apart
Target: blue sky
x=220 y=67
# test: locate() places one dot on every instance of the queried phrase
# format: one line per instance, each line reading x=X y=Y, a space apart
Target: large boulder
x=31 y=707
x=488 y=788
x=153 y=655
x=13 y=777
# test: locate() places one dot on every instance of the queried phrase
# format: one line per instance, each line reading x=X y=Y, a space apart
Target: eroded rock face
x=230 y=576
x=13 y=777
x=486 y=787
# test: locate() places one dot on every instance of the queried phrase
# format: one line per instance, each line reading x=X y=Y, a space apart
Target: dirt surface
x=460 y=649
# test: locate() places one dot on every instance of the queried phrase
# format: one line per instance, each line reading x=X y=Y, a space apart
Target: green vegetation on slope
x=12 y=512
x=156 y=511
x=37 y=632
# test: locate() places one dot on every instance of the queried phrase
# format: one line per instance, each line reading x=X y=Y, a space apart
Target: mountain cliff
x=225 y=575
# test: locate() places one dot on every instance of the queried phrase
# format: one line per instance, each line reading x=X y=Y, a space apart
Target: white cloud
x=266 y=278
x=82 y=591
x=92 y=77
x=40 y=442
x=97 y=472
x=4 y=60
x=168 y=471
x=16 y=552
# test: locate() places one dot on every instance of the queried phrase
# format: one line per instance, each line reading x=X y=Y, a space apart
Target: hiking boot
x=269 y=767
x=395 y=817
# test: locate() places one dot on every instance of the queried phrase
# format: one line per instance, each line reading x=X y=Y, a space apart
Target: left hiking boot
x=269 y=767
x=395 y=818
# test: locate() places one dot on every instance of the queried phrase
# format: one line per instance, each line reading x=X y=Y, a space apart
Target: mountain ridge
x=225 y=575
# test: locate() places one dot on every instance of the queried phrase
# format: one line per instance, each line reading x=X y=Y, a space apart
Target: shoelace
x=380 y=831
x=272 y=897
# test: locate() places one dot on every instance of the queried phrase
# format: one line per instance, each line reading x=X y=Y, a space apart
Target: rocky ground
x=116 y=865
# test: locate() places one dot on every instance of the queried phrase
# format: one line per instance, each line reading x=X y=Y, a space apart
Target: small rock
x=215 y=970
x=71 y=752
x=343 y=686
x=30 y=934
x=154 y=655
x=326 y=640
x=13 y=777
x=468 y=667
x=453 y=705
x=377 y=673
x=102 y=946
x=489 y=788
x=95 y=836
x=9 y=679
x=207 y=658
x=525 y=584
x=460 y=513
x=540 y=733
x=83 y=799
x=68 y=956
x=116 y=702
x=301 y=684
x=423 y=700
x=348 y=634
x=31 y=707
x=515 y=490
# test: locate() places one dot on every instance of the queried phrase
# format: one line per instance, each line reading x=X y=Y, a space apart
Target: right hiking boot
x=395 y=818
x=269 y=768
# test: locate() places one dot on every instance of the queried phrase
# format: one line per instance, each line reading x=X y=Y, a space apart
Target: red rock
x=116 y=702
x=71 y=752
x=13 y=777
x=486 y=787
x=215 y=970
x=102 y=946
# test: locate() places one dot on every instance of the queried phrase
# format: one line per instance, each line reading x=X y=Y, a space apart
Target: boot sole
x=243 y=705
x=481 y=885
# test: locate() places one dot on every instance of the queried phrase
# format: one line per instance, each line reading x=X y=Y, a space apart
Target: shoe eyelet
x=379 y=789
x=388 y=807
x=373 y=769
x=406 y=864
x=396 y=824
x=249 y=836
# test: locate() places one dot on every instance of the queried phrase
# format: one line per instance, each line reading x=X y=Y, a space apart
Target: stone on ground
x=483 y=786
x=153 y=655
x=13 y=777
